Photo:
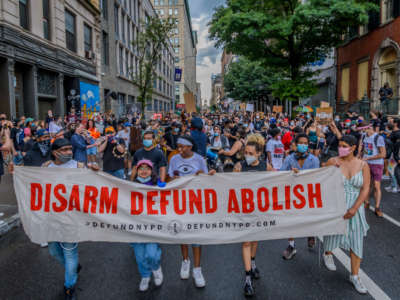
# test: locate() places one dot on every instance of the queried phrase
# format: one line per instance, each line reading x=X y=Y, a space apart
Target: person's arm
x=236 y=147
x=163 y=167
x=103 y=146
x=78 y=143
x=364 y=193
x=163 y=173
x=237 y=167
x=335 y=130
x=8 y=145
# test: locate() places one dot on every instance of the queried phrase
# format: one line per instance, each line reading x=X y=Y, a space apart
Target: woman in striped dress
x=356 y=186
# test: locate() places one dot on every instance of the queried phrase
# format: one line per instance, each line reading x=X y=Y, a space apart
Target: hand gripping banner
x=75 y=205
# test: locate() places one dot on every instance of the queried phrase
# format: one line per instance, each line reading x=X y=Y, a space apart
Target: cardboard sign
x=277 y=108
x=324 y=115
x=242 y=106
x=324 y=104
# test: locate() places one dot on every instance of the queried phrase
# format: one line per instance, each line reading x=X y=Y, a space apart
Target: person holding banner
x=65 y=253
x=357 y=179
x=148 y=255
x=188 y=162
x=251 y=163
x=299 y=160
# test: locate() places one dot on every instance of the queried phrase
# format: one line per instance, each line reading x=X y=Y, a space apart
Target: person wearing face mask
x=186 y=163
x=150 y=152
x=301 y=159
x=356 y=174
x=148 y=255
x=40 y=152
x=251 y=163
x=171 y=137
x=219 y=140
x=275 y=149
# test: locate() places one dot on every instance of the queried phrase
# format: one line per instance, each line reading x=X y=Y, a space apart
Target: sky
x=208 y=57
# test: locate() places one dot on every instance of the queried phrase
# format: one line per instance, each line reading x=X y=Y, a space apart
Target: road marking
x=390 y=219
x=373 y=289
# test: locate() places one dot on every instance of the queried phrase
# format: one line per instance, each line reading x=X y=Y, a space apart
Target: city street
x=110 y=271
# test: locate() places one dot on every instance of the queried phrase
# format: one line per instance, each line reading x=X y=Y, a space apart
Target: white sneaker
x=44 y=245
x=393 y=190
x=144 y=284
x=158 y=277
x=388 y=188
x=185 y=269
x=358 y=285
x=198 y=277
x=329 y=262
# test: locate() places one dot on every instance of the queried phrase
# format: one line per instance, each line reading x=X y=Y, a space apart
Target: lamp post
x=365 y=106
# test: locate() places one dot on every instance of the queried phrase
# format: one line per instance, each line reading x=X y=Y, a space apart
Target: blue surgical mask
x=143 y=180
x=302 y=148
x=147 y=143
x=216 y=134
x=176 y=129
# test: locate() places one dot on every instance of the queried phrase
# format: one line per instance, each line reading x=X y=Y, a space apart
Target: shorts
x=91 y=151
x=313 y=146
x=376 y=172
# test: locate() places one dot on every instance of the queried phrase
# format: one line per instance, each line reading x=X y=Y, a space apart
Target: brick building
x=370 y=56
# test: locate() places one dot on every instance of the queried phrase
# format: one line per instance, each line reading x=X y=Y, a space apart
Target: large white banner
x=74 y=205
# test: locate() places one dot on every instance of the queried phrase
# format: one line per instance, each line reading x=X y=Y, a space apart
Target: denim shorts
x=91 y=151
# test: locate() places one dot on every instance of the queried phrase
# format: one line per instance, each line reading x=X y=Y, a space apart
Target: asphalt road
x=110 y=272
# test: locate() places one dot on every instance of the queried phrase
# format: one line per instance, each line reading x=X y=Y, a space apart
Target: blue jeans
x=118 y=173
x=67 y=255
x=148 y=257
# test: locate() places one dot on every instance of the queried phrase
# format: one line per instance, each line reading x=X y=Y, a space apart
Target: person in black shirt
x=114 y=154
x=171 y=137
x=150 y=152
x=40 y=152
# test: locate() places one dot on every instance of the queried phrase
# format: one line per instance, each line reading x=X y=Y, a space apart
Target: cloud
x=208 y=57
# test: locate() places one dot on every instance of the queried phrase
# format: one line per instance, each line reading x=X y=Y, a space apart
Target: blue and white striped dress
x=357 y=226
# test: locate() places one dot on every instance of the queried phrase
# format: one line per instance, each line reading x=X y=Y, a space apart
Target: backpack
x=388 y=146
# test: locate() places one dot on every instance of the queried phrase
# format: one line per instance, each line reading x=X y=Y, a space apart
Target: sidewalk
x=8 y=205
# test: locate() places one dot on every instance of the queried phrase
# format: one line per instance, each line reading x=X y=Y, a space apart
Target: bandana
x=184 y=142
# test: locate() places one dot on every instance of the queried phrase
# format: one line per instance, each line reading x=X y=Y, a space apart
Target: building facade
x=370 y=56
x=121 y=22
x=184 y=41
x=216 y=89
x=49 y=56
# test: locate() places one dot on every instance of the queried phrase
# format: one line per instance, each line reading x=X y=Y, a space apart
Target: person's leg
x=56 y=251
x=185 y=252
x=254 y=249
x=246 y=256
x=196 y=255
x=70 y=251
x=140 y=255
x=153 y=255
x=355 y=263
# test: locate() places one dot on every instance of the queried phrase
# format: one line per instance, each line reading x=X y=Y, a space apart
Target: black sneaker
x=69 y=293
x=311 y=243
x=289 y=253
x=255 y=273
x=249 y=289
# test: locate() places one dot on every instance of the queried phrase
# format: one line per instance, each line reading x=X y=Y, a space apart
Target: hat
x=110 y=129
x=145 y=162
x=59 y=143
x=127 y=124
x=41 y=132
x=347 y=121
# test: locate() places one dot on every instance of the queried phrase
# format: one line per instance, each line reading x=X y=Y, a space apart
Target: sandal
x=378 y=212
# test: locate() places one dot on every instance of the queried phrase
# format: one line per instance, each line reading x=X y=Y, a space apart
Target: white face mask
x=250 y=159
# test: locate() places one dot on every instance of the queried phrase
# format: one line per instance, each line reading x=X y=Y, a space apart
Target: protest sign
x=324 y=115
x=75 y=205
x=277 y=108
x=250 y=107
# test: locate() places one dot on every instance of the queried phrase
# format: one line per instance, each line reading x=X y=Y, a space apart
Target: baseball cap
x=145 y=162
x=41 y=132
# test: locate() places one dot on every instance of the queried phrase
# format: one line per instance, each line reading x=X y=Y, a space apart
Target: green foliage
x=247 y=80
x=286 y=34
x=151 y=40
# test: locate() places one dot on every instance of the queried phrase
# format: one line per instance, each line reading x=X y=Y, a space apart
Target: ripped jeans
x=67 y=255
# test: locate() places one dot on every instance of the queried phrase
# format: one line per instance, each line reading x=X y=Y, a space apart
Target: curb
x=9 y=224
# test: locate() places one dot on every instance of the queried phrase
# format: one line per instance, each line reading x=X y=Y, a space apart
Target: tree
x=287 y=35
x=151 y=40
x=248 y=81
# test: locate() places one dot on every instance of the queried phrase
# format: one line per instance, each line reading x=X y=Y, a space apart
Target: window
x=116 y=21
x=362 y=84
x=387 y=10
x=123 y=27
x=170 y=12
x=70 y=31
x=161 y=12
x=176 y=50
x=345 y=83
x=127 y=64
x=104 y=9
x=46 y=19
x=161 y=2
x=176 y=11
x=176 y=41
x=176 y=30
x=87 y=32
x=105 y=49
x=164 y=68
x=170 y=2
x=155 y=105
x=160 y=105
x=176 y=59
x=149 y=105
x=121 y=61
x=164 y=86
x=156 y=2
x=23 y=14
x=159 y=84
x=131 y=67
x=129 y=35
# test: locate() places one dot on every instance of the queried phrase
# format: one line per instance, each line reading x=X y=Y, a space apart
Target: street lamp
x=365 y=106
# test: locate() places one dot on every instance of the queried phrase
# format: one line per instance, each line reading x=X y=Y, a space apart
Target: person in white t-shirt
x=275 y=149
x=374 y=155
x=188 y=162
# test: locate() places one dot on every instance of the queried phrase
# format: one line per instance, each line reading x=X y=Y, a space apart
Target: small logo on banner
x=175 y=227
